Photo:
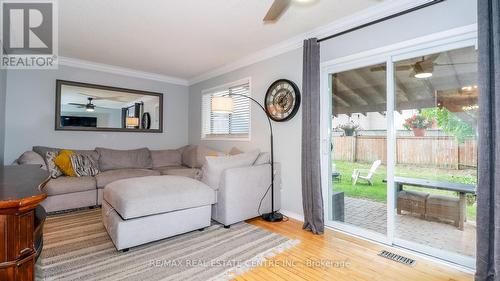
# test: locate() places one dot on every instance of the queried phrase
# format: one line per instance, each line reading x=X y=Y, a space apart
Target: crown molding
x=121 y=71
x=381 y=10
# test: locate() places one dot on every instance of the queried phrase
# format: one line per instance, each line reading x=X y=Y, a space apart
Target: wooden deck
x=330 y=250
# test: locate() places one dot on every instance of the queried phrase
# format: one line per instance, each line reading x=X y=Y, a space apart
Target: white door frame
x=434 y=43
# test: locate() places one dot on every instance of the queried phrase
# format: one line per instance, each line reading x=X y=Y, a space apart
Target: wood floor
x=336 y=256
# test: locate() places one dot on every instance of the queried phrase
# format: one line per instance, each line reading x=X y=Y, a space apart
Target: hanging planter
x=349 y=129
x=418 y=132
x=418 y=124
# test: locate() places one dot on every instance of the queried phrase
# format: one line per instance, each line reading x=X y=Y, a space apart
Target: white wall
x=3 y=85
x=447 y=15
x=31 y=112
x=287 y=135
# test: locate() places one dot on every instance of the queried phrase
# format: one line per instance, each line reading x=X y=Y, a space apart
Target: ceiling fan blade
x=456 y=63
x=77 y=104
x=276 y=10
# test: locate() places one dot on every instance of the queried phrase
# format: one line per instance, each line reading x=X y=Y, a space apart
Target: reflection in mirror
x=85 y=107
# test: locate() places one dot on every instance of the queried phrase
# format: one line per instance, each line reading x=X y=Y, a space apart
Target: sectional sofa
x=239 y=190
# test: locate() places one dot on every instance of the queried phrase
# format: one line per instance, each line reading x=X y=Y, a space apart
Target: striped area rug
x=77 y=247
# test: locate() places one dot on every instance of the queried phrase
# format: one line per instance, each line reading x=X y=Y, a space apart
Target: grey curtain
x=312 y=198
x=488 y=188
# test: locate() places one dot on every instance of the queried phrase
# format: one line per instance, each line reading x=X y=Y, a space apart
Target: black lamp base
x=272 y=217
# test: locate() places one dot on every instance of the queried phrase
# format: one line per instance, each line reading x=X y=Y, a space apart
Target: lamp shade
x=132 y=121
x=222 y=105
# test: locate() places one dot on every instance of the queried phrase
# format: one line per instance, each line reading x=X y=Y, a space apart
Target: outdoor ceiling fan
x=421 y=69
x=89 y=107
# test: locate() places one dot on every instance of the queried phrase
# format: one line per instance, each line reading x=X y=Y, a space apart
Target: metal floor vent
x=397 y=258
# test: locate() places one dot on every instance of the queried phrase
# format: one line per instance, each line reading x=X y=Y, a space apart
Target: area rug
x=77 y=247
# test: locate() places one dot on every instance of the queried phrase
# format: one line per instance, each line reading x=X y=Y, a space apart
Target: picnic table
x=460 y=188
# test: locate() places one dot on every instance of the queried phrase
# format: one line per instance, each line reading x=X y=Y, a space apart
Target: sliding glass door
x=358 y=142
x=435 y=118
x=401 y=128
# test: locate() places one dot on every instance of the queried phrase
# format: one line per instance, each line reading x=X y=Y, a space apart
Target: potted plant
x=418 y=124
x=349 y=128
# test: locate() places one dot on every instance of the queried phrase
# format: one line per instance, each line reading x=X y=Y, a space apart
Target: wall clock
x=282 y=100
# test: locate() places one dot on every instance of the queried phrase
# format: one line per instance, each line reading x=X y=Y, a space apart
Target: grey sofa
x=76 y=192
x=239 y=192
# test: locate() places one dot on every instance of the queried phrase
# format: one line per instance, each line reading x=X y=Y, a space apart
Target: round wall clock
x=146 y=120
x=282 y=100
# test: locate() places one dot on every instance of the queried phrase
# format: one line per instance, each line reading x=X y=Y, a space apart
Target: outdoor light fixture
x=423 y=70
x=225 y=104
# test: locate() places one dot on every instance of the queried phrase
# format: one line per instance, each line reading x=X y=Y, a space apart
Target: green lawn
x=378 y=192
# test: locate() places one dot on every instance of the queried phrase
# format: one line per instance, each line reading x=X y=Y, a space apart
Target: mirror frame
x=58 y=127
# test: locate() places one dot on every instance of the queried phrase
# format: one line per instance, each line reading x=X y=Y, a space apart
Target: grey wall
x=3 y=85
x=31 y=105
x=450 y=14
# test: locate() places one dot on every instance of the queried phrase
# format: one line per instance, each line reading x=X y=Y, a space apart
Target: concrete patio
x=373 y=216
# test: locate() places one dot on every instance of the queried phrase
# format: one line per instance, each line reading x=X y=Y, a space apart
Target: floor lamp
x=225 y=104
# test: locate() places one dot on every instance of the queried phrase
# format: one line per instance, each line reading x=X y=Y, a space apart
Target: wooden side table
x=20 y=195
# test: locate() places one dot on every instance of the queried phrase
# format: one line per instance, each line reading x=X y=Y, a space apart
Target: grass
x=378 y=192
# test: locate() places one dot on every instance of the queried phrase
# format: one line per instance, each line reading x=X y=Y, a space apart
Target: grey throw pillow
x=31 y=158
x=110 y=159
x=54 y=171
x=84 y=165
x=165 y=158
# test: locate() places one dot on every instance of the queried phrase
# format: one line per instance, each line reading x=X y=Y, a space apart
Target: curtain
x=488 y=188
x=312 y=198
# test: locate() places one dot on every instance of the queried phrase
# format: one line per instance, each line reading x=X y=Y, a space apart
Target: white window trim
x=228 y=137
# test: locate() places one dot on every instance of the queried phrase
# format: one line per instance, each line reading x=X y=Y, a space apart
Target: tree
x=450 y=123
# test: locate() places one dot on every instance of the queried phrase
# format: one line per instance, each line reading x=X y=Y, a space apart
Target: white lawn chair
x=365 y=174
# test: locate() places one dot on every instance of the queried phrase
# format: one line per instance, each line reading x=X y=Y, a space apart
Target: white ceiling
x=184 y=38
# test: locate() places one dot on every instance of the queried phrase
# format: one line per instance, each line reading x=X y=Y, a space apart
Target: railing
x=442 y=152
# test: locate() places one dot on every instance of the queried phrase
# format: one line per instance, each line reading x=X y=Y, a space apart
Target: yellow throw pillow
x=63 y=162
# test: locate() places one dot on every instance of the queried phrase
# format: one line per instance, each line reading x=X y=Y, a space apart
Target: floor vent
x=397 y=258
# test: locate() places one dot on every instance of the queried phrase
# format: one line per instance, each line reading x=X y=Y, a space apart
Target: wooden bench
x=444 y=212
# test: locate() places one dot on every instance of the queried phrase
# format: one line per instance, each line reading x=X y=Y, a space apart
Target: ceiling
x=453 y=86
x=184 y=38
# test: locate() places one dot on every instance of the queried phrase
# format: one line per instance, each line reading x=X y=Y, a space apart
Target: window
x=235 y=125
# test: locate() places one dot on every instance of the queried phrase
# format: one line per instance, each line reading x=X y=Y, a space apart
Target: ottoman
x=445 y=208
x=413 y=202
x=136 y=211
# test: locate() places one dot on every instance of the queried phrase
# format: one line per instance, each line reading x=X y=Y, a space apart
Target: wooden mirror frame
x=58 y=127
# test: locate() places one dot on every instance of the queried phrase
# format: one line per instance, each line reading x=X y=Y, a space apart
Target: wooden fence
x=442 y=152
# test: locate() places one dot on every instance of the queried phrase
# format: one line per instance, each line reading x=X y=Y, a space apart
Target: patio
x=372 y=215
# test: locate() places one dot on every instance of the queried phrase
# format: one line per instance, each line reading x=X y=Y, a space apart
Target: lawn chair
x=365 y=174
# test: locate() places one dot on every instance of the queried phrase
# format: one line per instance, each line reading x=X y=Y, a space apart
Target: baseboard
x=292 y=215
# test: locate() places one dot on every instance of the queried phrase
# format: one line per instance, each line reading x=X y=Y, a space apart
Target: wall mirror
x=89 y=107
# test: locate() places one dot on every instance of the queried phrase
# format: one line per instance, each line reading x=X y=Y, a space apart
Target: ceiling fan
x=423 y=68
x=89 y=107
x=279 y=7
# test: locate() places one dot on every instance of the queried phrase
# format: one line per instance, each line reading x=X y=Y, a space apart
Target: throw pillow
x=51 y=166
x=111 y=159
x=194 y=155
x=31 y=158
x=215 y=166
x=264 y=158
x=63 y=162
x=234 y=151
x=84 y=165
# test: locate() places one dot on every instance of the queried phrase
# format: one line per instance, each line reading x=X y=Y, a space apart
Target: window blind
x=232 y=125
